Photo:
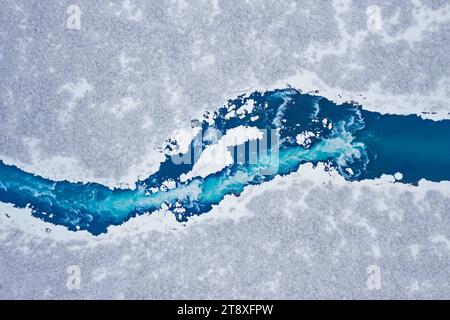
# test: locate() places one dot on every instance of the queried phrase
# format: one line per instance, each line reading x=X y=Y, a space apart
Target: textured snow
x=98 y=103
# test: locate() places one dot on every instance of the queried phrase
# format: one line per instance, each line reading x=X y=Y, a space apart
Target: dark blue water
x=357 y=143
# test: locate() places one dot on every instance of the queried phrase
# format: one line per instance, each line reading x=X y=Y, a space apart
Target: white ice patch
x=242 y=111
x=169 y=184
x=398 y=176
x=246 y=108
x=183 y=137
x=216 y=157
x=304 y=138
x=153 y=189
x=327 y=124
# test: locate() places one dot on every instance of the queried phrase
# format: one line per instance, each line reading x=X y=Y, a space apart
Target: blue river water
x=359 y=144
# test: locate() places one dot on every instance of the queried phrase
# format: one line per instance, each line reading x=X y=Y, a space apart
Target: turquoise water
x=357 y=143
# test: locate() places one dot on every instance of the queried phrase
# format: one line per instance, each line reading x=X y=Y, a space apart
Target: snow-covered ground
x=95 y=104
